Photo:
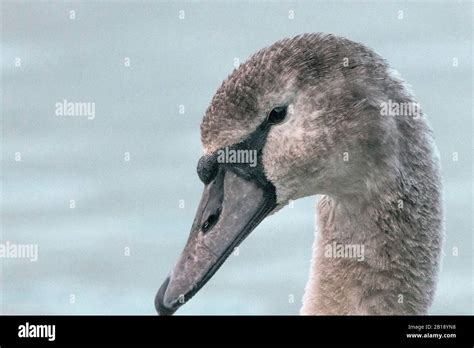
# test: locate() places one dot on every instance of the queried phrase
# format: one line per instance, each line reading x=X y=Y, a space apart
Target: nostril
x=211 y=221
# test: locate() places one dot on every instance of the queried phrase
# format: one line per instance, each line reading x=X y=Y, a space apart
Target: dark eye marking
x=208 y=166
x=277 y=115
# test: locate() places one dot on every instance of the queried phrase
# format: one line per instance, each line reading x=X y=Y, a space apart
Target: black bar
x=136 y=330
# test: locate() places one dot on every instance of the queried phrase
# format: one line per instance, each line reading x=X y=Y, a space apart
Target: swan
x=319 y=113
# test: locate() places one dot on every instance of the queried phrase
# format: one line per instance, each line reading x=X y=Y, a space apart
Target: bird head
x=298 y=118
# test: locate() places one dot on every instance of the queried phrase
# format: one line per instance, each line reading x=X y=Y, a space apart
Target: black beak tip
x=160 y=307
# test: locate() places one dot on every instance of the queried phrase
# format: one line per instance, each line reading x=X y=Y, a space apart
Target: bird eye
x=277 y=115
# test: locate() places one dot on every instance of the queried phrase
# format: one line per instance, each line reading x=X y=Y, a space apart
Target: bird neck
x=378 y=255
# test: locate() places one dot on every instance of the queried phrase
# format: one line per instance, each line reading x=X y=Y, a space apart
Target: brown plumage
x=378 y=174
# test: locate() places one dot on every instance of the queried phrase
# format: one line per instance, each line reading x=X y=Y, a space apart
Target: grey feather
x=379 y=175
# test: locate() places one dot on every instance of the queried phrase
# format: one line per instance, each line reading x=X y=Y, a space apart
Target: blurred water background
x=83 y=267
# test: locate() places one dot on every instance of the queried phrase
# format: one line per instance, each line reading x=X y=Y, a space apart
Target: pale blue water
x=135 y=204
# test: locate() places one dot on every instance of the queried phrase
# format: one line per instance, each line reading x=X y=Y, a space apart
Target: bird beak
x=231 y=207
